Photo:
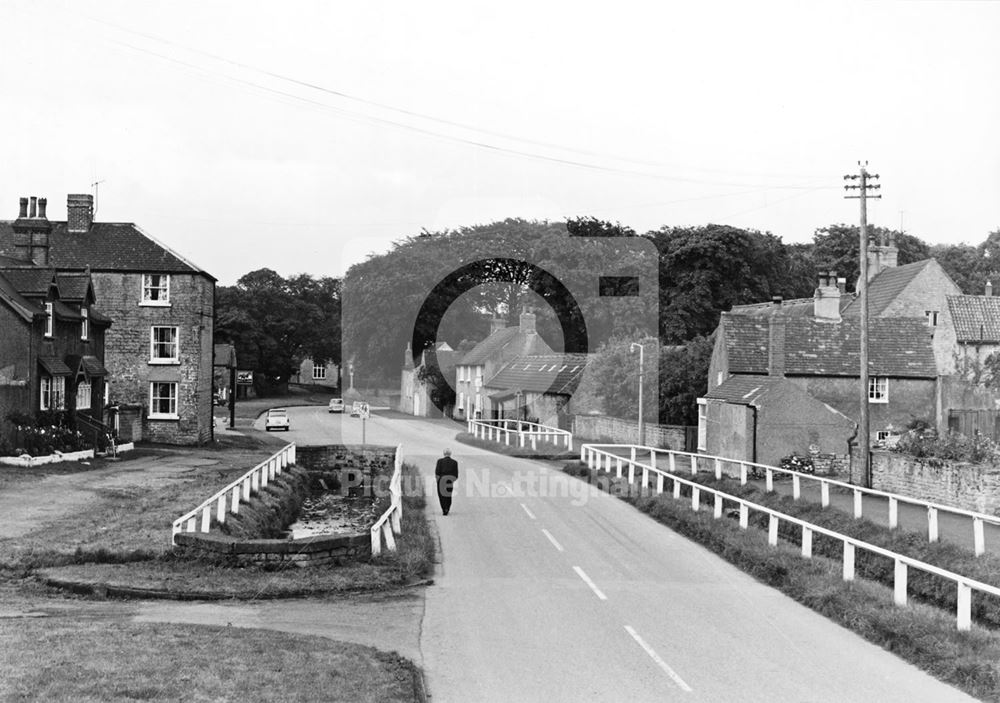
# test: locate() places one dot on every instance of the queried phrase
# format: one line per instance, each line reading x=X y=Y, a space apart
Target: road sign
x=365 y=411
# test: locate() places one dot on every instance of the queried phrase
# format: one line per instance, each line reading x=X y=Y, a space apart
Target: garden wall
x=962 y=485
x=602 y=427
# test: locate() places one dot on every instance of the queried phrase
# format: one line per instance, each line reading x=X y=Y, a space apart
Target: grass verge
x=52 y=659
x=171 y=576
x=922 y=635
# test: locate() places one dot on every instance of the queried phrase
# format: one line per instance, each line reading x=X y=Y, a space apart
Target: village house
x=485 y=360
x=414 y=392
x=320 y=373
x=159 y=351
x=52 y=346
x=538 y=388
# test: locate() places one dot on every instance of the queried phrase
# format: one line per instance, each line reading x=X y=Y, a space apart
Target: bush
x=802 y=464
x=924 y=442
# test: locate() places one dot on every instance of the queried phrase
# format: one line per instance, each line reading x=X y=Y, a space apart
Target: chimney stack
x=33 y=207
x=776 y=301
x=527 y=321
x=31 y=232
x=497 y=324
x=42 y=203
x=989 y=289
x=826 y=299
x=776 y=346
x=79 y=212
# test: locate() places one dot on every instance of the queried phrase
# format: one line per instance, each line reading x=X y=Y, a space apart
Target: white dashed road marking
x=659 y=661
x=586 y=580
x=553 y=540
x=530 y=514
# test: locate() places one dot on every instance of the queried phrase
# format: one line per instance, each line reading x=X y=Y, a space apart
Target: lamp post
x=642 y=427
x=350 y=374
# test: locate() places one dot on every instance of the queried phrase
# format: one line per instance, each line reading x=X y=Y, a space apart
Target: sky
x=304 y=136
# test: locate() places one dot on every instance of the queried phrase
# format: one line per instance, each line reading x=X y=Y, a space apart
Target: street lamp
x=350 y=374
x=642 y=428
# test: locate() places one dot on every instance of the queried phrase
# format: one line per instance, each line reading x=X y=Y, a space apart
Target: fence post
x=694 y=465
x=677 y=489
x=659 y=483
x=932 y=524
x=964 y=607
x=899 y=583
x=718 y=468
x=645 y=476
x=390 y=541
x=772 y=529
x=743 y=474
x=206 y=518
x=796 y=487
x=718 y=507
x=695 y=498
x=807 y=542
x=632 y=454
x=978 y=538
x=824 y=492
x=583 y=456
x=672 y=463
x=744 y=516
x=857 y=504
x=769 y=480
x=220 y=508
x=376 y=541
x=235 y=510
x=893 y=513
x=618 y=469
x=848 y=561
x=631 y=473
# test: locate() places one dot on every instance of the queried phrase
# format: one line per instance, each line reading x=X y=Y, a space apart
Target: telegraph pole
x=864 y=425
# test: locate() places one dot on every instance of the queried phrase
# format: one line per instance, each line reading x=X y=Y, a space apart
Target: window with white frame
x=53 y=392
x=84 y=323
x=49 y=320
x=162 y=400
x=461 y=402
x=702 y=424
x=882 y=435
x=83 y=394
x=878 y=389
x=163 y=345
x=932 y=317
x=319 y=372
x=479 y=377
x=155 y=289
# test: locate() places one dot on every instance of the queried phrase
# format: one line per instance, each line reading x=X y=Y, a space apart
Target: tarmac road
x=547 y=591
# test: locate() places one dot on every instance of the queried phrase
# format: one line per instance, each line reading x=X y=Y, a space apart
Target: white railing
x=228 y=499
x=391 y=522
x=503 y=430
x=740 y=468
x=595 y=457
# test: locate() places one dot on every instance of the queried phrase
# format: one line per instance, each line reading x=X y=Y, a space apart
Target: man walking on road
x=446 y=473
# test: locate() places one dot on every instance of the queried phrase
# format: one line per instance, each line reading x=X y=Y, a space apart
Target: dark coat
x=446 y=466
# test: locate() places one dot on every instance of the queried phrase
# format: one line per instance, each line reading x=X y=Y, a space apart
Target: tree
x=684 y=379
x=836 y=249
x=614 y=369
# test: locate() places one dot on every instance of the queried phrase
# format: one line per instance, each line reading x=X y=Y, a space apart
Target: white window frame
x=154 y=345
x=479 y=377
x=319 y=372
x=702 y=425
x=155 y=295
x=84 y=323
x=84 y=394
x=932 y=317
x=52 y=390
x=171 y=398
x=882 y=435
x=878 y=389
x=49 y=320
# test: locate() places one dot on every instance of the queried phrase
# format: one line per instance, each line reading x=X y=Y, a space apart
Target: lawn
x=53 y=659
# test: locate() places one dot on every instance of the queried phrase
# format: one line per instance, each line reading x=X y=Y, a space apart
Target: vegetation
x=925 y=442
x=58 y=659
x=920 y=634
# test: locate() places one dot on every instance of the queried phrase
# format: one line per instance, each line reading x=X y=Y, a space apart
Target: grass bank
x=52 y=659
x=922 y=635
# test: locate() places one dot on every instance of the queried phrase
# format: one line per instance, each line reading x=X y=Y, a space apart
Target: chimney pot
x=776 y=300
x=33 y=207
x=842 y=284
x=989 y=288
x=24 y=208
x=42 y=203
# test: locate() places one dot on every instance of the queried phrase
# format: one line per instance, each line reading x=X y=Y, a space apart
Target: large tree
x=836 y=249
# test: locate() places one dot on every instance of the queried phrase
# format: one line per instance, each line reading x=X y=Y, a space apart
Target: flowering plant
x=802 y=464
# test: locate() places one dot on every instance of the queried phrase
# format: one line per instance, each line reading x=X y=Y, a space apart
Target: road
x=547 y=591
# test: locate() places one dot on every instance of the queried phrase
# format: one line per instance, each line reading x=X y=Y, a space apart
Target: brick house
x=52 y=346
x=159 y=352
x=538 y=388
x=484 y=360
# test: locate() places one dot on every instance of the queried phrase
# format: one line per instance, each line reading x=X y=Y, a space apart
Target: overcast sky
x=302 y=136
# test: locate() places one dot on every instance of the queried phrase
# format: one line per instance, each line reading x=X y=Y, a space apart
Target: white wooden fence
x=521 y=431
x=735 y=467
x=228 y=499
x=391 y=522
x=601 y=457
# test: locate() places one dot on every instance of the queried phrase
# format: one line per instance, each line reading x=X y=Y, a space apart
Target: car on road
x=336 y=405
x=277 y=419
x=357 y=408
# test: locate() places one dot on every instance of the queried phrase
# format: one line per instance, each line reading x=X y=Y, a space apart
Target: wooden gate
x=975 y=422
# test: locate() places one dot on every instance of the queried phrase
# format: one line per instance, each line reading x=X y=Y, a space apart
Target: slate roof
x=541 y=373
x=745 y=390
x=884 y=288
x=108 y=246
x=31 y=281
x=976 y=318
x=18 y=303
x=899 y=347
x=74 y=287
x=488 y=348
x=796 y=307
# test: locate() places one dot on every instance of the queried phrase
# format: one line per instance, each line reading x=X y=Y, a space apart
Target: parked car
x=277 y=419
x=356 y=408
x=336 y=405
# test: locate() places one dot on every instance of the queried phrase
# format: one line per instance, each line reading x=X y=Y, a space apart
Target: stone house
x=538 y=388
x=320 y=373
x=52 y=346
x=485 y=360
x=415 y=394
x=159 y=352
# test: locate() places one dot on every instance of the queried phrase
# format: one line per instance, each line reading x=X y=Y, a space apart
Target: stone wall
x=591 y=428
x=311 y=551
x=962 y=485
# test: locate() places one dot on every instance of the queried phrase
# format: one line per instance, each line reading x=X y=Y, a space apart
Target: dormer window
x=49 y=320
x=84 y=323
x=155 y=289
